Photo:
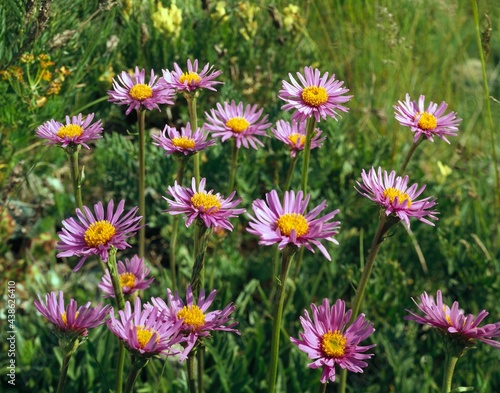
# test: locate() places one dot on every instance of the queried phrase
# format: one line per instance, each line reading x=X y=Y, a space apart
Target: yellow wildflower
x=167 y=20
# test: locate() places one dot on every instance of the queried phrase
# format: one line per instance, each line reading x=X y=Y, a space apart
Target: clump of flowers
x=184 y=143
x=168 y=20
x=191 y=80
x=294 y=135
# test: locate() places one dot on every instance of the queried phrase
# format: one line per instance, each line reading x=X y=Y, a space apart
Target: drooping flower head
x=72 y=320
x=144 y=331
x=191 y=80
x=96 y=235
x=76 y=131
x=133 y=277
x=393 y=194
x=328 y=341
x=429 y=122
x=195 y=203
x=294 y=135
x=184 y=143
x=134 y=92
x=315 y=95
x=288 y=223
x=453 y=321
x=196 y=321
x=232 y=121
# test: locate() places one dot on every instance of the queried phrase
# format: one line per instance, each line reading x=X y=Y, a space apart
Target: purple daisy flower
x=196 y=321
x=329 y=341
x=195 y=203
x=72 y=319
x=76 y=131
x=134 y=92
x=191 y=79
x=294 y=135
x=314 y=95
x=289 y=224
x=454 y=322
x=429 y=122
x=95 y=236
x=186 y=142
x=144 y=331
x=231 y=121
x=132 y=277
x=393 y=194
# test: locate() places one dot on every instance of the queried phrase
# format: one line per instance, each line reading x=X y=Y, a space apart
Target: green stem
x=311 y=122
x=64 y=369
x=135 y=368
x=322 y=387
x=193 y=119
x=141 y=118
x=190 y=373
x=449 y=366
x=233 y=164
x=75 y=175
x=289 y=175
x=80 y=110
x=201 y=242
x=288 y=253
x=199 y=355
x=410 y=153
x=119 y=367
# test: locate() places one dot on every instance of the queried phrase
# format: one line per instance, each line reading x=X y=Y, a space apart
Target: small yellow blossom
x=5 y=75
x=27 y=58
x=17 y=72
x=291 y=17
x=247 y=12
x=46 y=75
x=219 y=12
x=444 y=172
x=54 y=88
x=168 y=20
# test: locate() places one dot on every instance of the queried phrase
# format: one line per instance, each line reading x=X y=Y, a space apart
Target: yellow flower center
x=392 y=193
x=70 y=131
x=127 y=280
x=290 y=221
x=184 y=142
x=333 y=344
x=190 y=77
x=144 y=335
x=193 y=316
x=237 y=124
x=99 y=233
x=207 y=201
x=297 y=137
x=140 y=92
x=448 y=319
x=314 y=95
x=427 y=121
x=65 y=318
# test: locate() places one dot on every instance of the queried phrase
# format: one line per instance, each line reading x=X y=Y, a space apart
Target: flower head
x=186 y=142
x=429 y=122
x=191 y=80
x=314 y=95
x=232 y=121
x=96 y=235
x=144 y=331
x=289 y=224
x=133 y=277
x=196 y=321
x=76 y=131
x=453 y=322
x=294 y=135
x=393 y=194
x=195 y=203
x=329 y=341
x=134 y=92
x=71 y=320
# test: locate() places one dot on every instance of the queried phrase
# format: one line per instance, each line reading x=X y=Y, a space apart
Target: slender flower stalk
x=193 y=119
x=311 y=122
x=75 y=174
x=141 y=118
x=202 y=234
x=289 y=175
x=233 y=165
x=67 y=354
x=138 y=363
x=412 y=149
x=449 y=367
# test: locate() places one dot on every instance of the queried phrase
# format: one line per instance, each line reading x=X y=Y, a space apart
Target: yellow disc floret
x=184 y=142
x=237 y=124
x=144 y=335
x=190 y=77
x=333 y=344
x=392 y=193
x=65 y=318
x=296 y=137
x=141 y=92
x=70 y=131
x=314 y=95
x=427 y=121
x=127 y=280
x=99 y=233
x=192 y=316
x=206 y=201
x=290 y=221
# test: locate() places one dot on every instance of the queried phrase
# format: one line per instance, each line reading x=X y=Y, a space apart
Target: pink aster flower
x=186 y=142
x=96 y=235
x=196 y=321
x=231 y=121
x=294 y=135
x=76 y=131
x=393 y=194
x=429 y=122
x=144 y=331
x=329 y=341
x=134 y=92
x=133 y=277
x=454 y=322
x=191 y=79
x=71 y=320
x=314 y=95
x=289 y=224
x=195 y=203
